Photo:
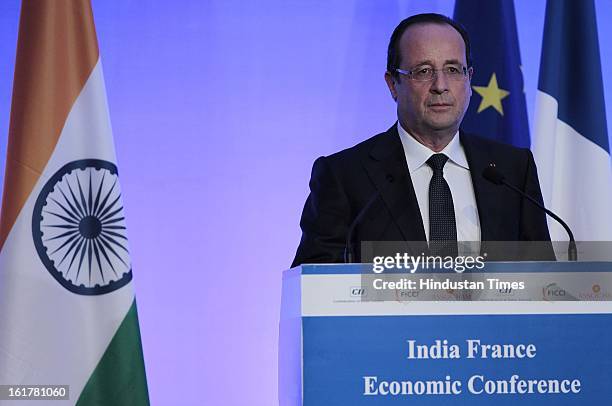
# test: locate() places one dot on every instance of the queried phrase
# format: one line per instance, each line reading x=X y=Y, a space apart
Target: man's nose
x=439 y=83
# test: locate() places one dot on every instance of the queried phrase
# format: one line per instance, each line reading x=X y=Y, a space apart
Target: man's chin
x=443 y=125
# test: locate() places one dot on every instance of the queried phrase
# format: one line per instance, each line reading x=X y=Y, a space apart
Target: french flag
x=571 y=145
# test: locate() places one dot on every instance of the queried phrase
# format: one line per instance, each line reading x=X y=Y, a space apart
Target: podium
x=338 y=347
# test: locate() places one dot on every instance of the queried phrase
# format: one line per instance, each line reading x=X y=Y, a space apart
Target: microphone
x=493 y=175
x=348 y=247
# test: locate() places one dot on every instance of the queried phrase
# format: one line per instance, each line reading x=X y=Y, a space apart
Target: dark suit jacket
x=341 y=185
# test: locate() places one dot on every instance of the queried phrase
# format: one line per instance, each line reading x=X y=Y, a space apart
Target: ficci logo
x=552 y=290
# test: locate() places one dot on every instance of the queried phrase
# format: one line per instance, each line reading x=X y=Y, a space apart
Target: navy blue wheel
x=78 y=226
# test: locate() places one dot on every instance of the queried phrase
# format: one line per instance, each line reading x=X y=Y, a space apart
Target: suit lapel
x=479 y=158
x=386 y=166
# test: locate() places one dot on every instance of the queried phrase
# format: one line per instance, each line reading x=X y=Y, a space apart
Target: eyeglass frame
x=466 y=72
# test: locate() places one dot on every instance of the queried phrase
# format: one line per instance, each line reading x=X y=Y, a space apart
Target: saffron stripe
x=56 y=52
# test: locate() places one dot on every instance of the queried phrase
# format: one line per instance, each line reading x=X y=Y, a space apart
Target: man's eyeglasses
x=426 y=74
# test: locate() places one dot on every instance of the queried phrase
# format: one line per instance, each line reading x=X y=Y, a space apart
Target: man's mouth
x=440 y=107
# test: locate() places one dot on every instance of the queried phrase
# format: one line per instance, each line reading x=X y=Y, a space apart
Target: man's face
x=435 y=106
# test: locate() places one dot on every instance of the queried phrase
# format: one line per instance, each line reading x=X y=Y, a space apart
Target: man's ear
x=391 y=84
x=470 y=76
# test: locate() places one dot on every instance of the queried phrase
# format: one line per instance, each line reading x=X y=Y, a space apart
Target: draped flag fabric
x=497 y=109
x=571 y=143
x=67 y=308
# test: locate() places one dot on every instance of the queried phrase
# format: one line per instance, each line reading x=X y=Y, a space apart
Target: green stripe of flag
x=119 y=379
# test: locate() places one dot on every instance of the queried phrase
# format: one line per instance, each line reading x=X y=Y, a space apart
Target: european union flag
x=497 y=109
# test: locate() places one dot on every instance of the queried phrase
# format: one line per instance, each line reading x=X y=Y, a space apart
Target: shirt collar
x=417 y=154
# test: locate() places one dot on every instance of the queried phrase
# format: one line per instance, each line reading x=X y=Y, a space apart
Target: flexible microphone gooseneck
x=348 y=247
x=493 y=175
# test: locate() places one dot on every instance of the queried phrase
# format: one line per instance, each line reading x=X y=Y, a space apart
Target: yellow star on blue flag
x=492 y=95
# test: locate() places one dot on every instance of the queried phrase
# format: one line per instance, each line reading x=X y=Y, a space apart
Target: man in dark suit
x=421 y=180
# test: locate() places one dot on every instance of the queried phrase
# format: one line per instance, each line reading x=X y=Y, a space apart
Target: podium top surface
x=496 y=267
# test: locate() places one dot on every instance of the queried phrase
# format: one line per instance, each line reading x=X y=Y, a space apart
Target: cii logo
x=358 y=291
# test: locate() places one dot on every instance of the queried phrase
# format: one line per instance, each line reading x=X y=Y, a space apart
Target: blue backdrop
x=219 y=108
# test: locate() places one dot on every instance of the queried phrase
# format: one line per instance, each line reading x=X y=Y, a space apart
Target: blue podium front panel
x=546 y=359
x=549 y=351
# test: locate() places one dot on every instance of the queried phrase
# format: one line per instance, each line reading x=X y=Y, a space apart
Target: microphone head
x=491 y=174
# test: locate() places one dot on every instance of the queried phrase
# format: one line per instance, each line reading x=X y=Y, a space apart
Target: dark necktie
x=442 y=226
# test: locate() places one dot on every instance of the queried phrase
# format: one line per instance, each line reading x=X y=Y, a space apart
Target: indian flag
x=67 y=308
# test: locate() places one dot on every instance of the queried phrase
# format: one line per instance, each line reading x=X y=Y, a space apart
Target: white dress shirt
x=456 y=174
